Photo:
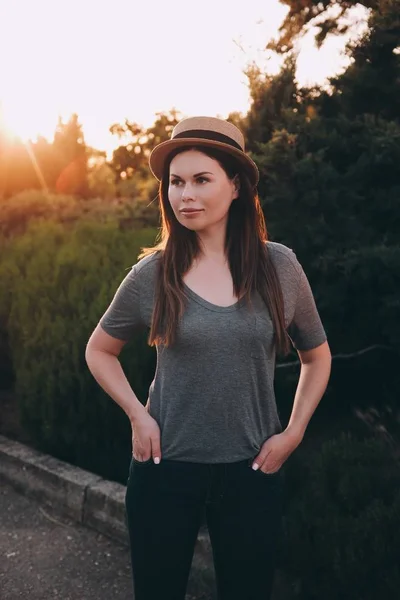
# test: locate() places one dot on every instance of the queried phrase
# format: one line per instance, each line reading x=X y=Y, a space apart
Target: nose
x=187 y=193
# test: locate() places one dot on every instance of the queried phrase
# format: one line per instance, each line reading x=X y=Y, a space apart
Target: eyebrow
x=196 y=174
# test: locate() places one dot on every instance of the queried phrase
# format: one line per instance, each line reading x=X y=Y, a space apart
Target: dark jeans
x=165 y=507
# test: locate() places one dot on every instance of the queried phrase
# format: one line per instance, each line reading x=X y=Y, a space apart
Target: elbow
x=90 y=351
x=320 y=355
x=88 y=354
x=326 y=354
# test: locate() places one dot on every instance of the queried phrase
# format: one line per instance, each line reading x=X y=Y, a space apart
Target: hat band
x=208 y=135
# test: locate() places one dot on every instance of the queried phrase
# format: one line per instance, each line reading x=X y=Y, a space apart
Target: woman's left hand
x=275 y=451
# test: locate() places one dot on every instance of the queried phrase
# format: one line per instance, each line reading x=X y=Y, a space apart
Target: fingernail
x=255 y=466
x=157 y=460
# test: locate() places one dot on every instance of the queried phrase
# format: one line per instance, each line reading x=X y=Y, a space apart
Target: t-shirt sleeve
x=306 y=330
x=123 y=316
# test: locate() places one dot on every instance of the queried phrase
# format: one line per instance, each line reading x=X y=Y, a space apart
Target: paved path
x=46 y=557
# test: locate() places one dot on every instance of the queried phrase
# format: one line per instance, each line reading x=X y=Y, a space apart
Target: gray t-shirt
x=213 y=391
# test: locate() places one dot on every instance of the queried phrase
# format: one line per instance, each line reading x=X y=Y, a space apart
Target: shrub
x=342 y=522
x=60 y=281
x=20 y=211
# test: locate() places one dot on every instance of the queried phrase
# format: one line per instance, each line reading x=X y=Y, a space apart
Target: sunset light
x=25 y=121
x=111 y=61
x=199 y=299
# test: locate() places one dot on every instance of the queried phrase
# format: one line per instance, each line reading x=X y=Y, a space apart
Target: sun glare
x=26 y=122
x=56 y=69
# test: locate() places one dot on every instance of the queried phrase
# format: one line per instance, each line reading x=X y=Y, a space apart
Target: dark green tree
x=371 y=84
x=330 y=182
x=302 y=12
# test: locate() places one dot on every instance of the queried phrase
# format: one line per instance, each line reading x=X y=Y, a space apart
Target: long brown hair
x=245 y=245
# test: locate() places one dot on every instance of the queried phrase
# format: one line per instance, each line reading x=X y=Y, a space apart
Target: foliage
x=342 y=519
x=101 y=180
x=71 y=154
x=131 y=160
x=330 y=181
x=271 y=97
x=331 y=191
x=18 y=212
x=59 y=282
x=371 y=84
x=304 y=13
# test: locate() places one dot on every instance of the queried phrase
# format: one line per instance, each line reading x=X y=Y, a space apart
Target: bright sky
x=107 y=60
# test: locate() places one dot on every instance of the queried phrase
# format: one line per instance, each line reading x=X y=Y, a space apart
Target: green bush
x=60 y=280
x=342 y=522
x=20 y=211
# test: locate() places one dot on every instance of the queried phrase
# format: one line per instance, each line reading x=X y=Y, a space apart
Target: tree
x=302 y=12
x=371 y=85
x=101 y=180
x=71 y=155
x=270 y=97
x=330 y=181
x=132 y=159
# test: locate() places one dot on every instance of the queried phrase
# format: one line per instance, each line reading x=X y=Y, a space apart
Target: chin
x=192 y=227
x=191 y=224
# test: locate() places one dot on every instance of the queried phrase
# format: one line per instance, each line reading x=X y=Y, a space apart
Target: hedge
x=59 y=282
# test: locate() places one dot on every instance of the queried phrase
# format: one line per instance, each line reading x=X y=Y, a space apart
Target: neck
x=212 y=245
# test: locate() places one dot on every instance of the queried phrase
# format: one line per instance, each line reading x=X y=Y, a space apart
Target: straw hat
x=207 y=131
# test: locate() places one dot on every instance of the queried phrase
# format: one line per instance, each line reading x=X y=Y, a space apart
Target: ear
x=236 y=183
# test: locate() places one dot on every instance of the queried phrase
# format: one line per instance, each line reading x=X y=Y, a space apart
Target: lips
x=191 y=210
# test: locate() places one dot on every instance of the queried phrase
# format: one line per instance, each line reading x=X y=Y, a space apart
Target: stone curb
x=78 y=494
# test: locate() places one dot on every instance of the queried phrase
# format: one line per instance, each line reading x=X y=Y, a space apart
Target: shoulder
x=147 y=267
x=144 y=276
x=141 y=274
x=283 y=257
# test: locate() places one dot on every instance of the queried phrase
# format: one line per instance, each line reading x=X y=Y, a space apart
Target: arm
x=313 y=380
x=309 y=338
x=121 y=321
x=101 y=356
x=314 y=376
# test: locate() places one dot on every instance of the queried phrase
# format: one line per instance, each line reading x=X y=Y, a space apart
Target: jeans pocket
x=141 y=463
x=276 y=474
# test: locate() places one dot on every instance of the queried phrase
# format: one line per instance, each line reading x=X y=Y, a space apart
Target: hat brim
x=161 y=152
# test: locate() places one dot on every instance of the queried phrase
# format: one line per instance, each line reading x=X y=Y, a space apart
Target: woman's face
x=198 y=182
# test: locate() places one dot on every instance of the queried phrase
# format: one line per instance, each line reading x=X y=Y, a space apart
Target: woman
x=219 y=302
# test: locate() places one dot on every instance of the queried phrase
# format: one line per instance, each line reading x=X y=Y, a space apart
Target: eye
x=199 y=179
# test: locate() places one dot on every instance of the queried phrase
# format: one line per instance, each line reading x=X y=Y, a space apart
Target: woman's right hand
x=146 y=438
